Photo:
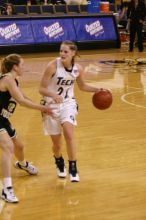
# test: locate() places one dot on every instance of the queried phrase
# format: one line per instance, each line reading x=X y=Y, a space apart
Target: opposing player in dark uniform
x=58 y=85
x=10 y=94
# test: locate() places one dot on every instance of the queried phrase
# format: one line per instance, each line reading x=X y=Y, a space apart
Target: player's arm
x=24 y=94
x=50 y=70
x=81 y=82
x=16 y=93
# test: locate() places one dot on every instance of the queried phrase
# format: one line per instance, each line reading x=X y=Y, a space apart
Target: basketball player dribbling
x=10 y=94
x=57 y=84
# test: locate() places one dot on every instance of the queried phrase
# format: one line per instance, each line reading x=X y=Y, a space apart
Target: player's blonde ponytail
x=8 y=63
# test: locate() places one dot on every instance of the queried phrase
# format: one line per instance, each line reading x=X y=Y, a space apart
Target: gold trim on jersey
x=2 y=131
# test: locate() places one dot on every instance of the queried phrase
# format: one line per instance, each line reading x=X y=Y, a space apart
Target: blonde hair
x=72 y=46
x=9 y=61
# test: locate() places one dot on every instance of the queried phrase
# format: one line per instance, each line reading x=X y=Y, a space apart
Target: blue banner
x=53 y=30
x=15 y=32
x=93 y=29
x=56 y=30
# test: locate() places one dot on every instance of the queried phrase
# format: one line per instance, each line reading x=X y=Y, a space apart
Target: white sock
x=7 y=182
x=23 y=163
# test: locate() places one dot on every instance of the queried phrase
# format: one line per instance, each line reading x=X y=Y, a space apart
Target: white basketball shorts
x=64 y=112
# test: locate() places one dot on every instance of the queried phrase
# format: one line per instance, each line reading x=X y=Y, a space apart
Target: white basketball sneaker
x=61 y=170
x=74 y=177
x=28 y=168
x=8 y=195
x=73 y=173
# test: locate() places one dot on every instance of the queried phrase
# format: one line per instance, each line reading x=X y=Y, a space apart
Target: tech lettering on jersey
x=62 y=81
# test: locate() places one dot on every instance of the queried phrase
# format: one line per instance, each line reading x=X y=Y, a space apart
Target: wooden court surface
x=111 y=146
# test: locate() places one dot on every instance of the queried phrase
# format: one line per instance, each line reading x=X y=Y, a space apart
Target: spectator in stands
x=2 y=10
x=56 y=2
x=84 y=2
x=32 y=2
x=76 y=2
x=9 y=9
x=136 y=17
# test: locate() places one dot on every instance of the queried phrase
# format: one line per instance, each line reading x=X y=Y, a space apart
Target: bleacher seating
x=83 y=8
x=48 y=9
x=20 y=9
x=55 y=9
x=73 y=9
x=34 y=9
x=60 y=9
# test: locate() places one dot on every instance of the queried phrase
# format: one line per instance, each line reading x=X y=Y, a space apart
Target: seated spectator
x=74 y=2
x=9 y=9
x=83 y=2
x=2 y=10
x=43 y=2
x=56 y=2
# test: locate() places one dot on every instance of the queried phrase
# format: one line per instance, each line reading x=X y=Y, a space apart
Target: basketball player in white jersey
x=57 y=84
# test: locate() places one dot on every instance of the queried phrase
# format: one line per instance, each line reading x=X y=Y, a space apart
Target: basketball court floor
x=111 y=145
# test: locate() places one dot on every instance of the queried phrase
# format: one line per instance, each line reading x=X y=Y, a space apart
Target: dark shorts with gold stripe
x=5 y=125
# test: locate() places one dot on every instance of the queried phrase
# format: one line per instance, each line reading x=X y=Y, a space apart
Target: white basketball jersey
x=62 y=82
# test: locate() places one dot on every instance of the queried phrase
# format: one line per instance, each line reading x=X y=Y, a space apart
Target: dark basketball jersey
x=7 y=103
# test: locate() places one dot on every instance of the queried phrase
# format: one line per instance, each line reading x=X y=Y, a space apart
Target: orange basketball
x=102 y=99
